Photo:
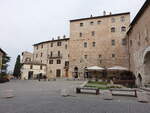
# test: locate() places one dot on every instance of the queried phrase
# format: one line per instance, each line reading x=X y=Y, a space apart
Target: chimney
x=58 y=37
x=64 y=36
x=53 y=38
x=104 y=13
x=91 y=16
x=110 y=13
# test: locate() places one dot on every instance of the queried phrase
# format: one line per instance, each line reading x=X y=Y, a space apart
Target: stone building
x=53 y=55
x=2 y=53
x=27 y=57
x=98 y=41
x=139 y=45
x=31 y=69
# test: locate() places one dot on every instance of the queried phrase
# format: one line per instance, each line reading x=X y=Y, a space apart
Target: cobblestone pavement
x=44 y=97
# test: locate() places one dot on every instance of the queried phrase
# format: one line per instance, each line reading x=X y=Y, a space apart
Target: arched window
x=113 y=29
x=123 y=29
x=94 y=44
x=99 y=22
x=28 y=59
x=76 y=69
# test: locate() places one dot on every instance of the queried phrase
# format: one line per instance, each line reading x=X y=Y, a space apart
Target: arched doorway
x=139 y=80
x=147 y=67
x=76 y=72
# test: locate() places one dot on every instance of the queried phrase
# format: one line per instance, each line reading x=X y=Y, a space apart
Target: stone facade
x=27 y=57
x=139 y=45
x=54 y=54
x=32 y=70
x=2 y=53
x=98 y=41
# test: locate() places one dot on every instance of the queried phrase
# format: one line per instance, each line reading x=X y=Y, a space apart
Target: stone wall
x=101 y=53
x=139 y=41
x=36 y=69
x=27 y=57
x=52 y=46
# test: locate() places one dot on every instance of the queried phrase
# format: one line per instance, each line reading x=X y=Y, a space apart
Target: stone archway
x=139 y=80
x=147 y=67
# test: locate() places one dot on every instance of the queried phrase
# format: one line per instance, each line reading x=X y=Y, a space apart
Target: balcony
x=55 y=56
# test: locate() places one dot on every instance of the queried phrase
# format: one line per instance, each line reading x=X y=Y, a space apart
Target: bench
x=78 y=89
x=133 y=91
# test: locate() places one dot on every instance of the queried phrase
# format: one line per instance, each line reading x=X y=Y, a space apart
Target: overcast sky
x=26 y=22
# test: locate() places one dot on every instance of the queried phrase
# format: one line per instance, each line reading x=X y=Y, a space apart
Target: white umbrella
x=95 y=68
x=119 y=68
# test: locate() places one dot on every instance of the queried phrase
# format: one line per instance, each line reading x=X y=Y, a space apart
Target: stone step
x=107 y=95
x=142 y=97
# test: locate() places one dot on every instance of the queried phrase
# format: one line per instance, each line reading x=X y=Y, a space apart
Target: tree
x=5 y=61
x=17 y=68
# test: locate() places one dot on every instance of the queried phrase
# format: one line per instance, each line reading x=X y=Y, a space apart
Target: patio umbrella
x=95 y=68
x=117 y=68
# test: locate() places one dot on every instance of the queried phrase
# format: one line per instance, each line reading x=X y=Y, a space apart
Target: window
x=113 y=29
x=100 y=56
x=41 y=54
x=93 y=33
x=122 y=19
x=58 y=61
x=42 y=46
x=51 y=54
x=51 y=44
x=41 y=61
x=58 y=43
x=113 y=55
x=100 y=61
x=80 y=34
x=94 y=44
x=66 y=46
x=31 y=67
x=41 y=67
x=99 y=22
x=66 y=63
x=91 y=23
x=85 y=44
x=124 y=42
x=112 y=20
x=123 y=29
x=58 y=53
x=50 y=61
x=85 y=56
x=28 y=59
x=81 y=24
x=112 y=42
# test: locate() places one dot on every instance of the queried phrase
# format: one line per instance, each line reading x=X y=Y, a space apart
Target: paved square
x=44 y=97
